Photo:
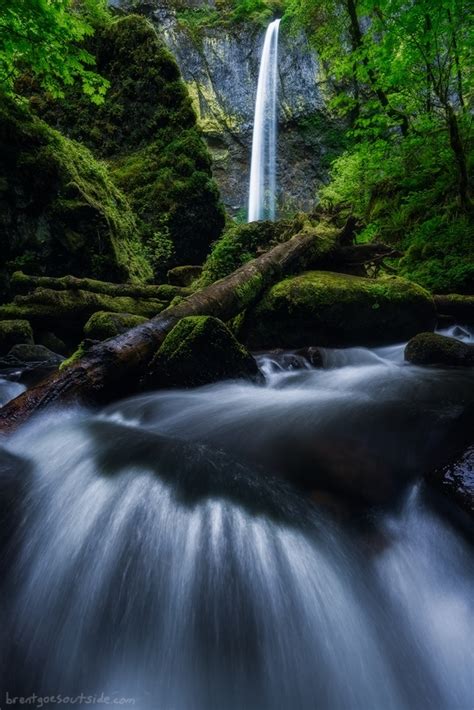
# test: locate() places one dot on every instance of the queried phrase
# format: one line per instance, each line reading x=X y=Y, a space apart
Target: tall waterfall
x=262 y=196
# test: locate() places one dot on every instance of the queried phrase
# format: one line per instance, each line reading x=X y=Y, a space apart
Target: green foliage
x=45 y=39
x=228 y=13
x=147 y=131
x=240 y=244
x=405 y=80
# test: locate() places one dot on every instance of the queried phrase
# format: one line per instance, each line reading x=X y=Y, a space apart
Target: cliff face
x=220 y=64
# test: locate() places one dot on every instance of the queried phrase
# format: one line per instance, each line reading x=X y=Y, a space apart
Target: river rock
x=14 y=332
x=456 y=480
x=26 y=353
x=103 y=325
x=199 y=350
x=337 y=310
x=434 y=349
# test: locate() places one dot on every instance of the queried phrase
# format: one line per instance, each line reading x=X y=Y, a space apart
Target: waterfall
x=262 y=194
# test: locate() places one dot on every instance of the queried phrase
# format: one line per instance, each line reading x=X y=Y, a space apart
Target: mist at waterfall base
x=262 y=188
x=182 y=576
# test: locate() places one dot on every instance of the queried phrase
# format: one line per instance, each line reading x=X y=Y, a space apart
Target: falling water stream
x=189 y=576
x=262 y=191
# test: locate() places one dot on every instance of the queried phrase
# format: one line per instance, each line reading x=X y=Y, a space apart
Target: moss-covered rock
x=434 y=349
x=103 y=325
x=330 y=309
x=61 y=212
x=13 y=332
x=184 y=275
x=147 y=131
x=199 y=350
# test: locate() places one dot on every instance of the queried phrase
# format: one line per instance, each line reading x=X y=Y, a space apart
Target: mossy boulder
x=103 y=325
x=13 y=332
x=184 y=275
x=330 y=309
x=199 y=350
x=61 y=212
x=434 y=349
x=148 y=133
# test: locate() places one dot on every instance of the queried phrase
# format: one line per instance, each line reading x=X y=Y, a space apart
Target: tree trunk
x=457 y=147
x=113 y=369
x=357 y=42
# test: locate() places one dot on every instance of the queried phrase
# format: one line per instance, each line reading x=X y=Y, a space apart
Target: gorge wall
x=219 y=61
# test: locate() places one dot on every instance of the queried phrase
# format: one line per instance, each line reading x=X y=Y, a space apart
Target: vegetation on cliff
x=61 y=212
x=146 y=131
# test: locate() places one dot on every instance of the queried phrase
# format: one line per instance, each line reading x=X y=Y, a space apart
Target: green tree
x=43 y=38
x=401 y=65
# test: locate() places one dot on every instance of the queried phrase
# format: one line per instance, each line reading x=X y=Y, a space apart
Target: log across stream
x=185 y=549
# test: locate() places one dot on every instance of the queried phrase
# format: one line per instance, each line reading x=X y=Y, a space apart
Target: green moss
x=78 y=354
x=250 y=290
x=61 y=211
x=103 y=325
x=200 y=349
x=13 y=332
x=241 y=243
x=147 y=132
x=322 y=308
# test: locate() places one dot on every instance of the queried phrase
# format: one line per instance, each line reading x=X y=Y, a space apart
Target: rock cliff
x=219 y=61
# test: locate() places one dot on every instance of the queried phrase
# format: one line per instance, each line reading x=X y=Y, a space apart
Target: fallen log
x=69 y=310
x=113 y=369
x=22 y=283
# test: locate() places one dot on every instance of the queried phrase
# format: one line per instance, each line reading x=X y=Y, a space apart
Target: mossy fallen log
x=22 y=283
x=112 y=369
x=68 y=311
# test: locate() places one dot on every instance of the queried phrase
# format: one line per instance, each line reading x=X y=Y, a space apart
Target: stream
x=201 y=575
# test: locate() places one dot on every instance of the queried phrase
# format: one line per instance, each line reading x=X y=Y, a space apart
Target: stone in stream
x=456 y=480
x=14 y=332
x=434 y=349
x=337 y=310
x=197 y=351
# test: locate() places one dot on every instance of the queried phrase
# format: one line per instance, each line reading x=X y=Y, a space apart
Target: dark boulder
x=13 y=332
x=457 y=306
x=434 y=349
x=455 y=481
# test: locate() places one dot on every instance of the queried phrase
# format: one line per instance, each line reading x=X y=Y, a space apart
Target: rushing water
x=192 y=579
x=262 y=192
